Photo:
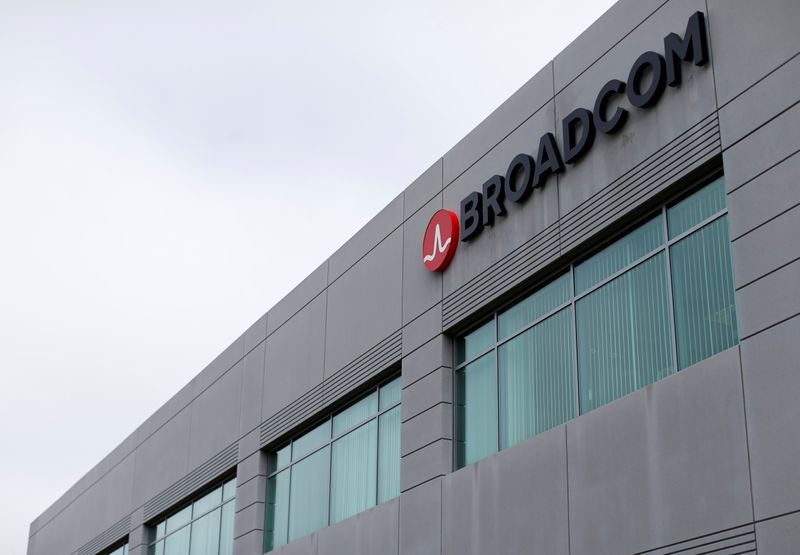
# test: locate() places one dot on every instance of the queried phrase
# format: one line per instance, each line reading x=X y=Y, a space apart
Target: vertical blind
x=205 y=527
x=341 y=467
x=654 y=301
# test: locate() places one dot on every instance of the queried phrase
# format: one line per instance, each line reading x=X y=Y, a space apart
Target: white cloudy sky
x=152 y=155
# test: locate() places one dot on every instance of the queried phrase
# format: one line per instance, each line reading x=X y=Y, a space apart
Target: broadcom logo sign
x=440 y=240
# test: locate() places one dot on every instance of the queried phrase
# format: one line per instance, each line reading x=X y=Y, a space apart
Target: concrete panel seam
x=764 y=124
x=759 y=174
x=769 y=327
x=240 y=509
x=437 y=477
x=427 y=200
x=775 y=517
x=421 y=447
x=746 y=434
x=610 y=48
x=491 y=148
x=766 y=76
x=711 y=55
x=255 y=477
x=767 y=274
x=765 y=222
x=375 y=246
x=440 y=367
x=410 y=418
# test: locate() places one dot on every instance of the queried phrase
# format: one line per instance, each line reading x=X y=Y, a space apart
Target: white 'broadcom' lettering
x=437 y=245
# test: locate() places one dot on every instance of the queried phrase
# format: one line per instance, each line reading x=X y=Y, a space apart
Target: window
x=341 y=467
x=204 y=527
x=119 y=550
x=653 y=302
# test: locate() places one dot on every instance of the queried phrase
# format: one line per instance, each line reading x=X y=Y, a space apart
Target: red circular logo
x=440 y=240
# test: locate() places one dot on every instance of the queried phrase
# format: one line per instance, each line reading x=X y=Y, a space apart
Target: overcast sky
x=153 y=154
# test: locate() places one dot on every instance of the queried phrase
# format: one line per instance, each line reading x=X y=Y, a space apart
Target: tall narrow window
x=654 y=301
x=343 y=466
x=204 y=527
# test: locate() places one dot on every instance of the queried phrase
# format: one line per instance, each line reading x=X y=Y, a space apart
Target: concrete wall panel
x=163 y=458
x=777 y=140
x=374 y=531
x=780 y=536
x=252 y=388
x=366 y=238
x=749 y=40
x=768 y=301
x=771 y=389
x=215 y=417
x=513 y=502
x=763 y=101
x=664 y=464
x=423 y=189
x=295 y=357
x=755 y=254
x=620 y=19
x=364 y=304
x=765 y=197
x=502 y=122
x=300 y=296
x=421 y=519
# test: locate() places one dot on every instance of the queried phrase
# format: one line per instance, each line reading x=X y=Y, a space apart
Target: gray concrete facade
x=705 y=460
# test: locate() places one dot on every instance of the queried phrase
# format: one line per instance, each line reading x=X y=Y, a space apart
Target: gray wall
x=705 y=459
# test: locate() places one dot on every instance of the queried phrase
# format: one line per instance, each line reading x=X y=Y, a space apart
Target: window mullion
x=497 y=383
x=577 y=377
x=673 y=330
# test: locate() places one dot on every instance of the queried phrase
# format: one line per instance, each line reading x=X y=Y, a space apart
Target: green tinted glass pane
x=160 y=530
x=390 y=393
x=476 y=411
x=207 y=502
x=633 y=246
x=205 y=534
x=389 y=455
x=354 y=459
x=229 y=490
x=533 y=307
x=156 y=549
x=277 y=510
x=179 y=519
x=702 y=283
x=537 y=376
x=308 y=509
x=280 y=458
x=226 y=529
x=309 y=441
x=475 y=343
x=177 y=543
x=355 y=413
x=624 y=336
x=696 y=207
